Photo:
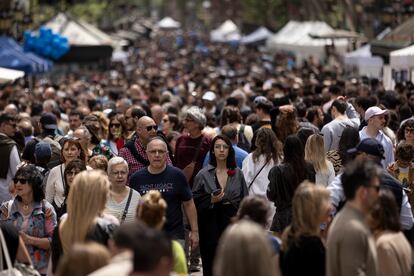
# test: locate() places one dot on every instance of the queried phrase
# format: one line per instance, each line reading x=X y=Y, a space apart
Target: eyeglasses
x=120 y=173
x=218 y=147
x=149 y=128
x=115 y=125
x=21 y=180
x=375 y=187
x=154 y=152
x=72 y=173
x=409 y=130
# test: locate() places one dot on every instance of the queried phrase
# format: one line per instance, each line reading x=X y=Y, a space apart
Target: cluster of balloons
x=46 y=43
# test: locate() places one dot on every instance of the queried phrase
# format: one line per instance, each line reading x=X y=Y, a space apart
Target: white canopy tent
x=228 y=31
x=9 y=75
x=79 y=32
x=260 y=34
x=365 y=63
x=295 y=37
x=402 y=59
x=168 y=23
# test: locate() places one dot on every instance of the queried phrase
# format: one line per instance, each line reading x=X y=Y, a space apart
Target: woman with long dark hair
x=257 y=165
x=218 y=190
x=285 y=178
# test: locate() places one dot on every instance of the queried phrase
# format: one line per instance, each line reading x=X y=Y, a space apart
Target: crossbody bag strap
x=131 y=146
x=63 y=178
x=251 y=182
x=126 y=206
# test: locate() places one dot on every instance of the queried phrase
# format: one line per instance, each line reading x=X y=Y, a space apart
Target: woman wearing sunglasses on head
x=33 y=216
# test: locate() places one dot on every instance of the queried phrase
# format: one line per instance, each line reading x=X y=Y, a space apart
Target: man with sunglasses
x=134 y=151
x=8 y=148
x=370 y=150
x=350 y=245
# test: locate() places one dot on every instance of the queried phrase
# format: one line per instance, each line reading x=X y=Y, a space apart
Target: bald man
x=134 y=151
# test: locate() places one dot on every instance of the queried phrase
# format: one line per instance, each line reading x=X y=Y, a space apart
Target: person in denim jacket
x=33 y=216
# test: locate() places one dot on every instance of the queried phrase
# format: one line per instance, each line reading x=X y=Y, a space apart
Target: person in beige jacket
x=394 y=251
x=350 y=245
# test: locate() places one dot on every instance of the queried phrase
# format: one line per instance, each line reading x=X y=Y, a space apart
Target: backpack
x=243 y=142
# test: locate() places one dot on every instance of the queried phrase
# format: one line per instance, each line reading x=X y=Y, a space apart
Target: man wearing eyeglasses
x=173 y=186
x=134 y=151
x=350 y=245
x=8 y=150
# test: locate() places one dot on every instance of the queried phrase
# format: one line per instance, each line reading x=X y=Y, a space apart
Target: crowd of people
x=212 y=158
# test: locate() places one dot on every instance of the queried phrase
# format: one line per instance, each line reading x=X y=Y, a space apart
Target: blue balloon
x=42 y=31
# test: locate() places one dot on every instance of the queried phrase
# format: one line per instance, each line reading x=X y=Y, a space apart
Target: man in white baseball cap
x=209 y=104
x=376 y=121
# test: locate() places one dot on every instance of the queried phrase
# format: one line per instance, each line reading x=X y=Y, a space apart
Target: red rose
x=231 y=172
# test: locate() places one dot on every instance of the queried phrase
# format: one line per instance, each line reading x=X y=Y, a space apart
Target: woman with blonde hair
x=85 y=219
x=315 y=154
x=244 y=250
x=303 y=252
x=151 y=211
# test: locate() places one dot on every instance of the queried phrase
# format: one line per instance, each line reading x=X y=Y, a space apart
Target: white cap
x=374 y=111
x=209 y=96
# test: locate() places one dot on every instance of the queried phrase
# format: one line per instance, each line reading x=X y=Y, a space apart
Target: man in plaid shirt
x=146 y=129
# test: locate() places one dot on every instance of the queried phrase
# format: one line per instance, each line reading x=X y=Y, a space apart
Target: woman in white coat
x=258 y=163
x=55 y=184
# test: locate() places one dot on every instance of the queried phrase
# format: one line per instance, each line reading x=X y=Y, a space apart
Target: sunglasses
x=149 y=128
x=21 y=180
x=115 y=125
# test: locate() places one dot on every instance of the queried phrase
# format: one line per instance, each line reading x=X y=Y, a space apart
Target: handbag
x=4 y=252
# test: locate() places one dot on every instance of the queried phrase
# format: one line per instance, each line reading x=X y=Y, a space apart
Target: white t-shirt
x=117 y=209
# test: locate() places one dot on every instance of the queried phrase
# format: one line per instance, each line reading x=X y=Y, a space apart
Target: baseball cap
x=48 y=120
x=209 y=96
x=369 y=146
x=374 y=111
x=43 y=150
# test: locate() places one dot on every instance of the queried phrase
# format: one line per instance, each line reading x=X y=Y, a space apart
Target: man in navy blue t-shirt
x=172 y=185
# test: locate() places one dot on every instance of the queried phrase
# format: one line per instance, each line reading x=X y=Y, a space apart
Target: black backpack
x=243 y=143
